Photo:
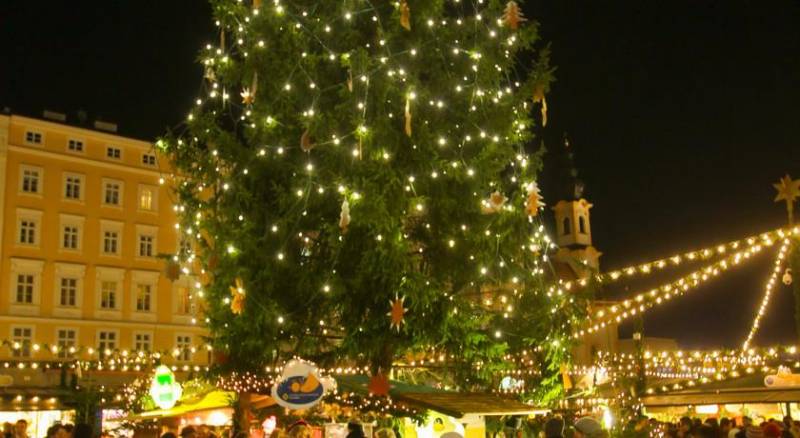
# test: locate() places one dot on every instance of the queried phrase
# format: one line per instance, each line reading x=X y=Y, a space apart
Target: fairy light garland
x=655 y=266
x=646 y=300
x=768 y=288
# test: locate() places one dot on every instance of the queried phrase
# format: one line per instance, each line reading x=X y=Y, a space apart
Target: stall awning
x=748 y=389
x=458 y=404
x=212 y=400
x=454 y=404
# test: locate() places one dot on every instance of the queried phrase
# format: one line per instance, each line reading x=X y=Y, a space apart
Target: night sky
x=682 y=114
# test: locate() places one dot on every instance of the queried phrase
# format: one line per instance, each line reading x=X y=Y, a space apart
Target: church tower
x=573 y=224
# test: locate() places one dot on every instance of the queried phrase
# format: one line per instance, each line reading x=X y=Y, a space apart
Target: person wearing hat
x=587 y=427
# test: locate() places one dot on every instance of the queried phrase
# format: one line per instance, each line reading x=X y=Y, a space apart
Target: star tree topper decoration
x=398 y=312
x=788 y=191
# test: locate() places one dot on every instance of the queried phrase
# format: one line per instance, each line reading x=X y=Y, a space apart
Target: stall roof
x=458 y=405
x=748 y=389
x=212 y=400
x=454 y=404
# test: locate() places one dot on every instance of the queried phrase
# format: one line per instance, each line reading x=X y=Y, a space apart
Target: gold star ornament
x=398 y=312
x=788 y=191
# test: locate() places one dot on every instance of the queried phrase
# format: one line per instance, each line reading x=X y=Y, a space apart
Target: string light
x=768 y=288
x=643 y=301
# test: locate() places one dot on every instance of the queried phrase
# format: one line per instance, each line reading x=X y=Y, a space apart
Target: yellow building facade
x=86 y=222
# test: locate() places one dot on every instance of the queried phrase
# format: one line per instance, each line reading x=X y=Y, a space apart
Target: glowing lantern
x=164 y=389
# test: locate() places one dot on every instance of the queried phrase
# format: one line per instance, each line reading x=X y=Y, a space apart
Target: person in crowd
x=188 y=432
x=302 y=431
x=21 y=429
x=354 y=430
x=554 y=428
x=168 y=435
x=684 y=427
x=52 y=431
x=587 y=427
x=82 y=430
x=724 y=427
x=8 y=430
x=705 y=431
x=384 y=432
x=771 y=429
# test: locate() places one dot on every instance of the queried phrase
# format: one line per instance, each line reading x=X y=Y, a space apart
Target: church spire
x=573 y=225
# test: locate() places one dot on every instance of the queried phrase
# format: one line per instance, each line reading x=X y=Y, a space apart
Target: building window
x=22 y=338
x=566 y=226
x=33 y=137
x=112 y=192
x=142 y=342
x=31 y=180
x=69 y=292
x=108 y=295
x=66 y=341
x=581 y=225
x=25 y=287
x=111 y=242
x=75 y=145
x=73 y=187
x=146 y=198
x=143 y=297
x=113 y=152
x=106 y=341
x=149 y=159
x=71 y=237
x=184 y=301
x=145 y=245
x=183 y=343
x=27 y=231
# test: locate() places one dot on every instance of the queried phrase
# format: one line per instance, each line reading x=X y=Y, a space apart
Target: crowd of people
x=20 y=430
x=685 y=427
x=730 y=428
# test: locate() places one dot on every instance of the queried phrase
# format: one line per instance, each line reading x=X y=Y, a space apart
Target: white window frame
x=73 y=140
x=74 y=221
x=153 y=200
x=69 y=270
x=100 y=350
x=28 y=215
x=82 y=189
x=34 y=132
x=146 y=230
x=107 y=226
x=116 y=148
x=120 y=195
x=22 y=348
x=149 y=278
x=39 y=180
x=179 y=317
x=115 y=275
x=144 y=159
x=183 y=356
x=20 y=266
x=135 y=341
x=63 y=347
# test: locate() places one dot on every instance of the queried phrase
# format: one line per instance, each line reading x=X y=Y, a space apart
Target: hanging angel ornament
x=513 y=16
x=534 y=201
x=494 y=204
x=344 y=216
x=405 y=15
x=305 y=142
x=237 y=300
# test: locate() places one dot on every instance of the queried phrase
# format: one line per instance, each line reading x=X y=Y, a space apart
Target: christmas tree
x=355 y=186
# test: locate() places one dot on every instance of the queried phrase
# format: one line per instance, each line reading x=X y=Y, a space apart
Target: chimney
x=105 y=126
x=54 y=116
